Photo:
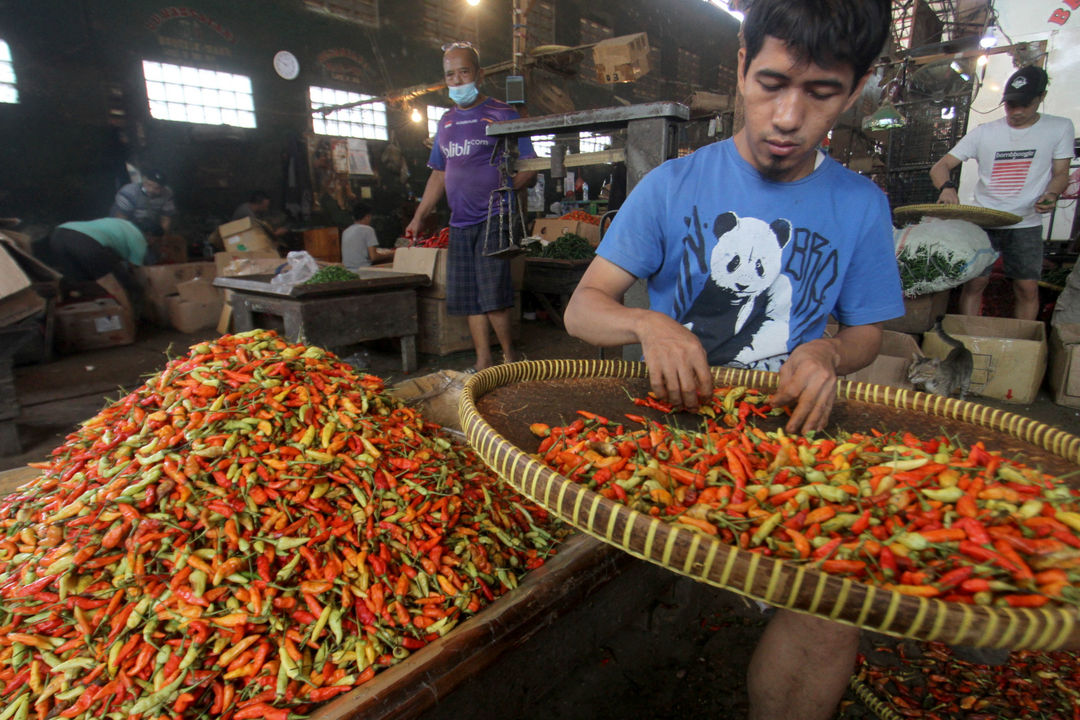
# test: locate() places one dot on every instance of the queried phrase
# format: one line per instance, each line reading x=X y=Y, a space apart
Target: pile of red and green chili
x=253 y=531
x=922 y=517
x=929 y=681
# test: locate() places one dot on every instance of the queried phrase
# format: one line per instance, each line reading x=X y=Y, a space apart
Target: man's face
x=458 y=68
x=789 y=108
x=263 y=206
x=151 y=188
x=1019 y=116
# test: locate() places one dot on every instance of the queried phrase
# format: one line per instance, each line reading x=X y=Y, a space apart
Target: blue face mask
x=464 y=95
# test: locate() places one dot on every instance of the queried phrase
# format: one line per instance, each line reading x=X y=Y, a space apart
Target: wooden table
x=380 y=304
x=545 y=276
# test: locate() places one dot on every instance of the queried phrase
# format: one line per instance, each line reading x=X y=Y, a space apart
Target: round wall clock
x=286 y=65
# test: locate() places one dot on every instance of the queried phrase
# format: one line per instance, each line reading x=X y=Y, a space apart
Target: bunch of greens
x=923 y=265
x=332 y=273
x=566 y=247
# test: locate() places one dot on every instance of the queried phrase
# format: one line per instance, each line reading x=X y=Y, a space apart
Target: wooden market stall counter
x=379 y=304
x=405 y=690
x=548 y=276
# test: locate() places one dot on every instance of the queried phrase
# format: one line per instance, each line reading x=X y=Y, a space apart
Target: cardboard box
x=189 y=316
x=95 y=324
x=891 y=364
x=237 y=264
x=18 y=239
x=1065 y=364
x=20 y=306
x=1010 y=355
x=25 y=283
x=426 y=261
x=441 y=333
x=245 y=235
x=158 y=282
x=920 y=313
x=553 y=228
x=621 y=59
x=200 y=290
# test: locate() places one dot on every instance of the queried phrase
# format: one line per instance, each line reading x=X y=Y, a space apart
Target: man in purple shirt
x=477 y=286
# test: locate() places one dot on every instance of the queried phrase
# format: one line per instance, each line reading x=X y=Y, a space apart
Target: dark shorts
x=1021 y=250
x=81 y=258
x=476 y=284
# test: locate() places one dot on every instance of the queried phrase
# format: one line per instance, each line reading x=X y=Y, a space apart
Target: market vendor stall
x=378 y=304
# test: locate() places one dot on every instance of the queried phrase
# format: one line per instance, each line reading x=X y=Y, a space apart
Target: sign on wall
x=185 y=33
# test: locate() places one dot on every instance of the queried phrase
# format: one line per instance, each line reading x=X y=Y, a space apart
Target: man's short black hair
x=360 y=211
x=258 y=196
x=825 y=32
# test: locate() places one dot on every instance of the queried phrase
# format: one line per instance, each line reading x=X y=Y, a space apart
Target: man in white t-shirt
x=1023 y=163
x=359 y=246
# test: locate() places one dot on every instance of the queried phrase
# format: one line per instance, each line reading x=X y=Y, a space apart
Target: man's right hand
x=948 y=196
x=412 y=230
x=678 y=366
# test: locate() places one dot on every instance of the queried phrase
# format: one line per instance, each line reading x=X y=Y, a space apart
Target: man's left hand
x=808 y=379
x=1046 y=202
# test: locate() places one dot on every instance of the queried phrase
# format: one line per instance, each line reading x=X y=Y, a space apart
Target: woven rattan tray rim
x=774 y=581
x=982 y=216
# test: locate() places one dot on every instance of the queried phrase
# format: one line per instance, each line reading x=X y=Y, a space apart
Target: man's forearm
x=856 y=347
x=433 y=191
x=1057 y=184
x=524 y=179
x=598 y=319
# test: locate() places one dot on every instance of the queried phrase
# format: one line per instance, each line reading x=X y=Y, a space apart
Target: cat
x=943 y=377
x=739 y=315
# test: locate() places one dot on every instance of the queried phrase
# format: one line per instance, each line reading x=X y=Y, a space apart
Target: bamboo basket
x=983 y=217
x=566 y=384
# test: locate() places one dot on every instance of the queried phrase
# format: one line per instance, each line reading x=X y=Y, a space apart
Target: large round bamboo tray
x=499 y=403
x=983 y=217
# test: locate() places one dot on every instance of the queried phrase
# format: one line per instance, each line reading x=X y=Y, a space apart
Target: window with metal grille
x=360 y=121
x=541 y=23
x=363 y=12
x=689 y=67
x=542 y=144
x=446 y=21
x=591 y=31
x=9 y=93
x=593 y=142
x=434 y=114
x=198 y=95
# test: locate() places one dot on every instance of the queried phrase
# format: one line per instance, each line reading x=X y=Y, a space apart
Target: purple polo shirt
x=463 y=151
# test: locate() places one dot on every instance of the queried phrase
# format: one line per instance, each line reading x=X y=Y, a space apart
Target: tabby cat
x=943 y=377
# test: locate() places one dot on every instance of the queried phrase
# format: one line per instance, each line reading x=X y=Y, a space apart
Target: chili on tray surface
x=253 y=531
x=921 y=517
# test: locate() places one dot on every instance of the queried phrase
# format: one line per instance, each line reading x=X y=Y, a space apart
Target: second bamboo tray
x=500 y=402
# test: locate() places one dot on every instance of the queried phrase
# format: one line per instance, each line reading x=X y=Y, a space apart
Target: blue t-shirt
x=463 y=150
x=754 y=267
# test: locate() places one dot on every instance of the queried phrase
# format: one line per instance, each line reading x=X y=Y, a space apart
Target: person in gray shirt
x=359 y=245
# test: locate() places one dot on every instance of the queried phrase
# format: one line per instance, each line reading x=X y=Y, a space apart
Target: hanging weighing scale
x=501 y=204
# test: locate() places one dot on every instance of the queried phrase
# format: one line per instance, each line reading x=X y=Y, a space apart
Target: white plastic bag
x=938 y=254
x=300 y=266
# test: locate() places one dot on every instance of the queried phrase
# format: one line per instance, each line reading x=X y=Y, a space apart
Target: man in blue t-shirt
x=478 y=286
x=747 y=246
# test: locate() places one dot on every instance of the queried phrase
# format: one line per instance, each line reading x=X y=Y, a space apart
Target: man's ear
x=739 y=69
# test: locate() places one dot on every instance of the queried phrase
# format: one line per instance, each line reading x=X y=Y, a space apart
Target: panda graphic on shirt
x=741 y=315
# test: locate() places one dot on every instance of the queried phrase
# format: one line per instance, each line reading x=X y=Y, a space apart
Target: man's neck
x=1025 y=125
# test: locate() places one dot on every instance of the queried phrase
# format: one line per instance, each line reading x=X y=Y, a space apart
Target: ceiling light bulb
x=416 y=116
x=474 y=3
x=982 y=60
x=989 y=38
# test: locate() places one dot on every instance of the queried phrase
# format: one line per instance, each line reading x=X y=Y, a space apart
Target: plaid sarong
x=476 y=284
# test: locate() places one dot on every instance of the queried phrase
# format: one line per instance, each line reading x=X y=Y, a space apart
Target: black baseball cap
x=1025 y=85
x=154 y=174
